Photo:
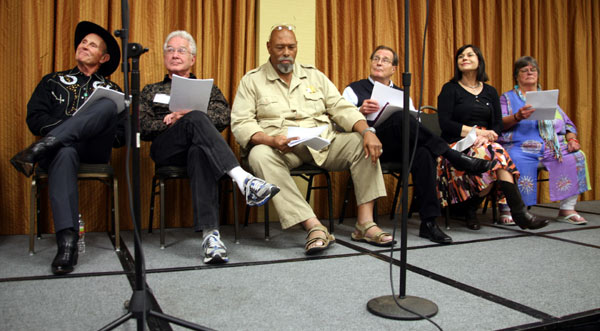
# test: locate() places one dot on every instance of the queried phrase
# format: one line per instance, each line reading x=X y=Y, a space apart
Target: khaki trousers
x=345 y=153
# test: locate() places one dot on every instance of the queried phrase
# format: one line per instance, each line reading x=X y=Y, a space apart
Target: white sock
x=207 y=232
x=239 y=175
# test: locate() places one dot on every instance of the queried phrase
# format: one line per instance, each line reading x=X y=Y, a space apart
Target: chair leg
x=116 y=223
x=152 y=203
x=162 y=213
x=375 y=211
x=447 y=216
x=246 y=216
x=32 y=215
x=267 y=236
x=329 y=201
x=395 y=201
x=38 y=212
x=236 y=221
x=346 y=199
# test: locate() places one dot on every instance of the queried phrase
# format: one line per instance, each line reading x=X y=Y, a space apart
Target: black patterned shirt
x=57 y=97
x=153 y=113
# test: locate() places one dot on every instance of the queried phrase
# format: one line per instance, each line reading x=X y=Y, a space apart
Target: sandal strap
x=363 y=228
x=327 y=238
x=377 y=237
x=318 y=227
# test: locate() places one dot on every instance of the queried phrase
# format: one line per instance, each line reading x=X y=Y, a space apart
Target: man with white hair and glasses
x=282 y=93
x=191 y=138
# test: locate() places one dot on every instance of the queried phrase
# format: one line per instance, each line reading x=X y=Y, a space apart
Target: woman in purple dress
x=552 y=144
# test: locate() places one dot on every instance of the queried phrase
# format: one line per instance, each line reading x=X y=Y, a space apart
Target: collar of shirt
x=168 y=79
x=373 y=82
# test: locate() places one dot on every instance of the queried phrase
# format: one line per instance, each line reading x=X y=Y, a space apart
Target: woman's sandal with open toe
x=375 y=240
x=327 y=239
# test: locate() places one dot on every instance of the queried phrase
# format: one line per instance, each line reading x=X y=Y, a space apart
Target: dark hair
x=481 y=75
x=394 y=60
x=522 y=62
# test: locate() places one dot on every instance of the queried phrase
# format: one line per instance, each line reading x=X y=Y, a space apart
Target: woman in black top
x=466 y=103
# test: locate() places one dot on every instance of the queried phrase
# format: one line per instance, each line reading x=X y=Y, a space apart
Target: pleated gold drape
x=562 y=35
x=37 y=38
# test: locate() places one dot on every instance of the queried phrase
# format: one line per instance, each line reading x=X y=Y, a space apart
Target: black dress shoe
x=27 y=158
x=472 y=165
x=66 y=256
x=431 y=231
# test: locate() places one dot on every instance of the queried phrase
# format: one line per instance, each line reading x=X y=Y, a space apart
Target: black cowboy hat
x=112 y=47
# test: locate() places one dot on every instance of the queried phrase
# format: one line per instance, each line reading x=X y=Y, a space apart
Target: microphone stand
x=403 y=307
x=139 y=306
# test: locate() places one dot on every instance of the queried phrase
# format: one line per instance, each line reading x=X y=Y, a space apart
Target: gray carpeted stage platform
x=496 y=278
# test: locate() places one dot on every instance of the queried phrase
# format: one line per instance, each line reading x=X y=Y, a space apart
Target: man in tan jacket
x=281 y=94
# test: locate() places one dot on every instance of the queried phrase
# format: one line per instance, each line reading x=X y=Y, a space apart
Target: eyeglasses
x=278 y=27
x=383 y=60
x=526 y=70
x=180 y=51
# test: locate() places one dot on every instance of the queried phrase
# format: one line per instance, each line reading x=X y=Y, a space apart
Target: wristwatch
x=372 y=129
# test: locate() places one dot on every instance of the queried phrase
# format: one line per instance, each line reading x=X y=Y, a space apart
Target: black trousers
x=85 y=138
x=424 y=167
x=193 y=141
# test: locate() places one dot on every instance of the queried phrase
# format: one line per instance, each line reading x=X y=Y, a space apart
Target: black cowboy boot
x=471 y=212
x=519 y=212
x=468 y=164
x=66 y=256
x=27 y=158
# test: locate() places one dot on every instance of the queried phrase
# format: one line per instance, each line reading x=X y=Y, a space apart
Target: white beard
x=285 y=68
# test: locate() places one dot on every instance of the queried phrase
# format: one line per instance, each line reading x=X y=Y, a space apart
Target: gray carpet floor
x=499 y=277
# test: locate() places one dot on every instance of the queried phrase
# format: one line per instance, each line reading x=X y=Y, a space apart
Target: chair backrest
x=430 y=121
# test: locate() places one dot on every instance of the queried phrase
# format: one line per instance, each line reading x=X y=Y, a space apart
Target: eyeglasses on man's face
x=383 y=60
x=278 y=27
x=525 y=70
x=180 y=50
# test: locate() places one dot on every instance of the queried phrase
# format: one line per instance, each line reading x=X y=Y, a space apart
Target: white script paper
x=188 y=93
x=544 y=103
x=390 y=101
x=102 y=92
x=467 y=141
x=308 y=136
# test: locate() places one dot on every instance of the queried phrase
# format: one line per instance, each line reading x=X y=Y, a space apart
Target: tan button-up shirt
x=265 y=103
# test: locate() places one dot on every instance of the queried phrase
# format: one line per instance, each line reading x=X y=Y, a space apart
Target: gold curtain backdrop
x=37 y=38
x=562 y=35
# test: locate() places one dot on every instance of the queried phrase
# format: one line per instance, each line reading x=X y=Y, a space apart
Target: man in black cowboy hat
x=68 y=140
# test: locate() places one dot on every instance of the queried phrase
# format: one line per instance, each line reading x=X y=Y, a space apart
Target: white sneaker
x=214 y=250
x=257 y=191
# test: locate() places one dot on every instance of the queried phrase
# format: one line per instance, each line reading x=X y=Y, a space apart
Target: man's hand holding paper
x=187 y=93
x=308 y=136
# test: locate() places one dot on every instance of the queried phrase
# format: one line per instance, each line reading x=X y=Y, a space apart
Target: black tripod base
x=139 y=308
x=386 y=306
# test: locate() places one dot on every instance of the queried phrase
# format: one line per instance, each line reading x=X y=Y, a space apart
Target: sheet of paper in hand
x=102 y=92
x=188 y=93
x=308 y=136
x=390 y=101
x=544 y=103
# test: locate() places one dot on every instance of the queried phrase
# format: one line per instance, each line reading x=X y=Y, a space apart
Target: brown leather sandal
x=327 y=239
x=375 y=240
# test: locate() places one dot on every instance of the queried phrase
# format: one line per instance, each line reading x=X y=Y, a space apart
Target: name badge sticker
x=162 y=98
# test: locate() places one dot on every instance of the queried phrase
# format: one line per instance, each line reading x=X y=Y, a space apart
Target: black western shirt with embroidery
x=152 y=113
x=59 y=95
